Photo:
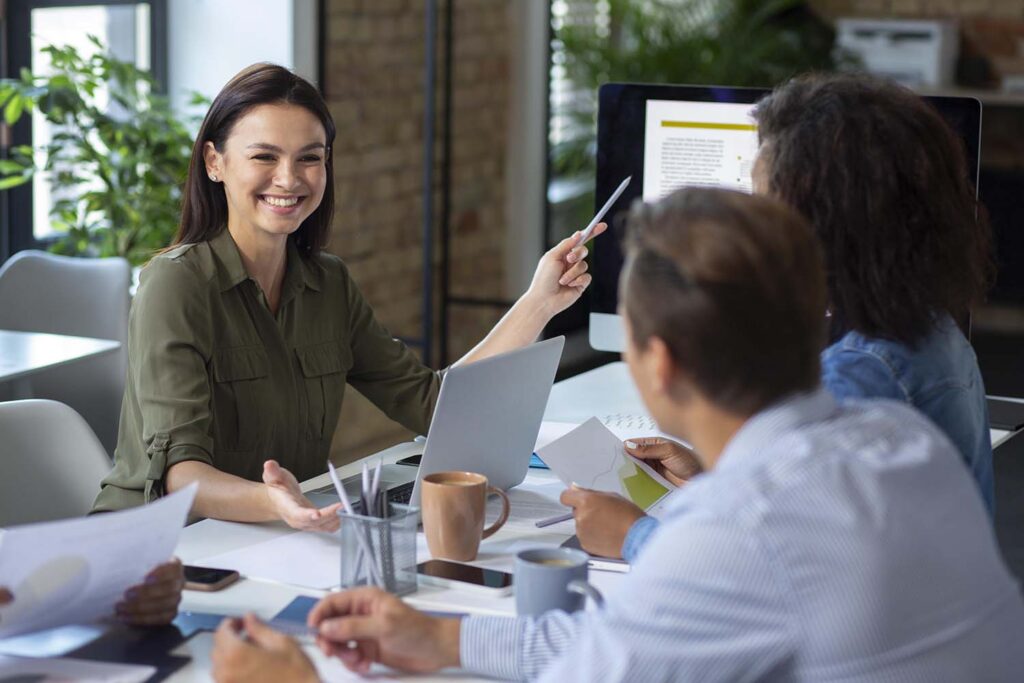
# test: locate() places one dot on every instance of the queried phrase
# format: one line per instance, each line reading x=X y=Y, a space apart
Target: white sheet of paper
x=71 y=671
x=594 y=458
x=302 y=558
x=549 y=431
x=528 y=503
x=74 y=571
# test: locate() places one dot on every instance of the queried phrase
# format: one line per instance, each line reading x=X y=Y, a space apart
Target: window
x=133 y=31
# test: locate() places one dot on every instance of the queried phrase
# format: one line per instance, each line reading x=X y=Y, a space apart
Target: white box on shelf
x=911 y=52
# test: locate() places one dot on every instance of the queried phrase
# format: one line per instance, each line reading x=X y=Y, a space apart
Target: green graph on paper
x=638 y=486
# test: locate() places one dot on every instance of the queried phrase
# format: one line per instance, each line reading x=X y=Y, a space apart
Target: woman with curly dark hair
x=884 y=182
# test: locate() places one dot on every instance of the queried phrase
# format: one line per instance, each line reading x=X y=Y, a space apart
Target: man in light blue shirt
x=824 y=542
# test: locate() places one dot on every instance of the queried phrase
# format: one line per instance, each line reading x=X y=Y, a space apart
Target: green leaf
x=12 y=112
x=13 y=181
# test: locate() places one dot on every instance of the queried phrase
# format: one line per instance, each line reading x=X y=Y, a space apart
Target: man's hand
x=672 y=460
x=154 y=602
x=260 y=654
x=294 y=508
x=602 y=519
x=367 y=625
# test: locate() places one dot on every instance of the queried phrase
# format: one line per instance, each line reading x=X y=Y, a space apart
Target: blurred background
x=489 y=104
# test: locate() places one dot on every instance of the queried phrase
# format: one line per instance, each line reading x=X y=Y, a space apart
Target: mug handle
x=586 y=589
x=503 y=517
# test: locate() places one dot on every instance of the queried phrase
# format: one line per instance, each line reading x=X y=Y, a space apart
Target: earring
x=213 y=177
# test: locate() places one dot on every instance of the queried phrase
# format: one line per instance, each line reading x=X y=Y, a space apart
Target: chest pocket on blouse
x=240 y=378
x=324 y=367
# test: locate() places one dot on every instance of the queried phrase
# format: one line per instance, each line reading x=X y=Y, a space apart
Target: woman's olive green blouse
x=214 y=376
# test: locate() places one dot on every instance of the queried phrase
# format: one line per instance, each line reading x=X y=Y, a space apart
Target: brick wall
x=373 y=79
x=920 y=8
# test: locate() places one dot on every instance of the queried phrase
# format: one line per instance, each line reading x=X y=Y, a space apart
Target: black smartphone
x=412 y=460
x=456 y=575
x=208 y=578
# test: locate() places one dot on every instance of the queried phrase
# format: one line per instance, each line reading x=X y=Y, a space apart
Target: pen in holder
x=380 y=551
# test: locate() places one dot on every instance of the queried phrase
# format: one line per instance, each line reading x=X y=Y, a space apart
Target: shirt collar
x=760 y=433
x=299 y=271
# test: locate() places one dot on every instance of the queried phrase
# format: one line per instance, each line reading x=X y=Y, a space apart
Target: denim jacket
x=939 y=377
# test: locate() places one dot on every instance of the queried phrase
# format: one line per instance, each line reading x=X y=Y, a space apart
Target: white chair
x=51 y=463
x=84 y=297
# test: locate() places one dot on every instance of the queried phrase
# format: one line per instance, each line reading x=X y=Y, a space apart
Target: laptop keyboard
x=400 y=494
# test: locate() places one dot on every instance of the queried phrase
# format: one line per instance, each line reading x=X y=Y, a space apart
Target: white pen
x=541 y=523
x=375 y=486
x=339 y=488
x=585 y=235
x=365 y=493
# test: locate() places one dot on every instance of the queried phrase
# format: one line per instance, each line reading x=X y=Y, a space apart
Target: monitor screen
x=671 y=136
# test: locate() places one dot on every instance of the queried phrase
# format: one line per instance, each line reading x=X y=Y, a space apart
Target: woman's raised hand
x=561 y=275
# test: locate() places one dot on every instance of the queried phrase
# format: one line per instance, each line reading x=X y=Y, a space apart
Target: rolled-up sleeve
x=166 y=416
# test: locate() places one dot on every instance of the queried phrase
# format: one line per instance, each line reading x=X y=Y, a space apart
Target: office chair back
x=84 y=297
x=51 y=463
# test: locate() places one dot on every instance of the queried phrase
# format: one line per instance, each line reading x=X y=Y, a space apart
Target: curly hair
x=884 y=182
x=734 y=285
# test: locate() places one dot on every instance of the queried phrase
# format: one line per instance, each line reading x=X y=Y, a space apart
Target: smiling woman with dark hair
x=244 y=334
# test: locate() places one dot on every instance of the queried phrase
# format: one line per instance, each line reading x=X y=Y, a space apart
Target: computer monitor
x=672 y=136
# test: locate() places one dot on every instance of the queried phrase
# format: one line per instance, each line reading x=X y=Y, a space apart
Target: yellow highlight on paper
x=708 y=125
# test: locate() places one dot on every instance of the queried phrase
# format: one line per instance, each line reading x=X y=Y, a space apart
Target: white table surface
x=209 y=537
x=25 y=353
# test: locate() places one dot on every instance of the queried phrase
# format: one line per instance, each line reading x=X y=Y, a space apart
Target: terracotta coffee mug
x=453 y=506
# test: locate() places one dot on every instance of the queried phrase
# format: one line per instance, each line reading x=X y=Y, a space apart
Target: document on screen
x=703 y=144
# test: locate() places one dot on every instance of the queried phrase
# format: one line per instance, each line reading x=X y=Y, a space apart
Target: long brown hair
x=204 y=210
x=735 y=286
x=884 y=182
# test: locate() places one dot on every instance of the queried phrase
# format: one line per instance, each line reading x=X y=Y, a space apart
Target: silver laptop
x=486 y=420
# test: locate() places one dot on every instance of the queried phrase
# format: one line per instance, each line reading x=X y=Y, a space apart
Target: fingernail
x=631 y=444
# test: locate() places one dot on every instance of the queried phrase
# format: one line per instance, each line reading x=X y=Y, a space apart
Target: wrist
x=449 y=633
x=534 y=305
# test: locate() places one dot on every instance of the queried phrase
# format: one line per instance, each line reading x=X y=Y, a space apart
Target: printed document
x=594 y=458
x=74 y=571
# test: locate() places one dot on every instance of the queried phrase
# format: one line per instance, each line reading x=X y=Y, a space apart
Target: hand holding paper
x=593 y=457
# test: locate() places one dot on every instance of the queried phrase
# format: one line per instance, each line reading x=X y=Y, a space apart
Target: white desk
x=25 y=353
x=266 y=599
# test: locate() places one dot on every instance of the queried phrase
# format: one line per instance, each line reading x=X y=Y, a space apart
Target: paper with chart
x=594 y=458
x=74 y=571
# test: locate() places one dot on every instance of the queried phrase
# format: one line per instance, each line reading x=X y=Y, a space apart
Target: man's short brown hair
x=735 y=287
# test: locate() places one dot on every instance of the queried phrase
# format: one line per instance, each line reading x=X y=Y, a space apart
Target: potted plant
x=117 y=157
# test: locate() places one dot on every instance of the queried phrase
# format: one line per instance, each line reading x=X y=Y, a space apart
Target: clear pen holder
x=380 y=551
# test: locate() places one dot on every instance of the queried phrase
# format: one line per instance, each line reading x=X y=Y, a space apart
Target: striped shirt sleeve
x=516 y=648
x=706 y=603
